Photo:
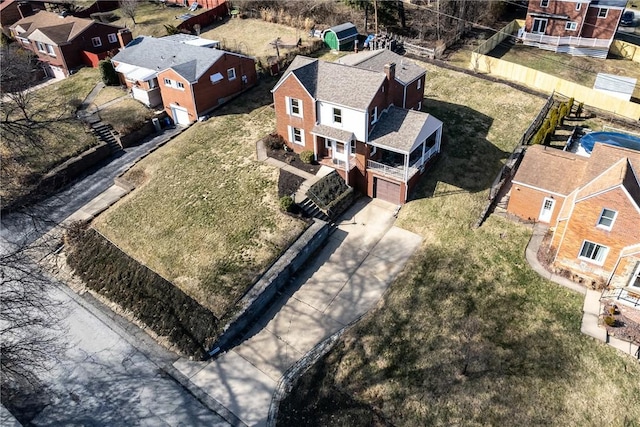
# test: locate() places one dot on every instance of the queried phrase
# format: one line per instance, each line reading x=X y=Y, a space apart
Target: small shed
x=340 y=37
x=617 y=86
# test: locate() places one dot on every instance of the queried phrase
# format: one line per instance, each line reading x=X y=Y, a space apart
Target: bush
x=610 y=320
x=307 y=157
x=274 y=141
x=286 y=203
x=579 y=109
x=108 y=73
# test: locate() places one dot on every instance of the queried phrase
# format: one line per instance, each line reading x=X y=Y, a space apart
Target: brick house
x=577 y=27
x=188 y=80
x=346 y=115
x=66 y=43
x=593 y=207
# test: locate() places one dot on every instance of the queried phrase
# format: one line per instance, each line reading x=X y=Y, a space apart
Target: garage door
x=180 y=115
x=387 y=190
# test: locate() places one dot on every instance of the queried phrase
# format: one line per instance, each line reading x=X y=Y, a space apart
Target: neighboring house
x=593 y=206
x=9 y=15
x=66 y=43
x=188 y=80
x=577 y=27
x=341 y=37
x=408 y=86
x=346 y=116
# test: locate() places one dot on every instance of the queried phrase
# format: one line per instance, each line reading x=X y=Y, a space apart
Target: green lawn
x=469 y=334
x=206 y=214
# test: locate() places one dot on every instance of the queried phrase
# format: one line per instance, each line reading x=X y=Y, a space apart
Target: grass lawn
x=252 y=36
x=21 y=168
x=109 y=93
x=206 y=214
x=126 y=115
x=469 y=334
x=151 y=19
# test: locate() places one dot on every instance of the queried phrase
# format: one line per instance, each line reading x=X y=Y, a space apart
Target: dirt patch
x=288 y=183
x=627 y=322
x=293 y=159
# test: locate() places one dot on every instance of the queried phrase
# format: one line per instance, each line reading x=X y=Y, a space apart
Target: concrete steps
x=105 y=133
x=313 y=211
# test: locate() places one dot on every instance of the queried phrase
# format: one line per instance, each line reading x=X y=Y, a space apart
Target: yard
x=151 y=19
x=205 y=214
x=469 y=334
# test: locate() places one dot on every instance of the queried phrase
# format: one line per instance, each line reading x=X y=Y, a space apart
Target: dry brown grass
x=126 y=115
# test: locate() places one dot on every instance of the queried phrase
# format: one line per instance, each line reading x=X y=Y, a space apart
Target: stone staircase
x=105 y=133
x=313 y=211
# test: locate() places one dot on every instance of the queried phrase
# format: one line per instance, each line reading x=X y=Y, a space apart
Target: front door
x=539 y=26
x=339 y=151
x=547 y=210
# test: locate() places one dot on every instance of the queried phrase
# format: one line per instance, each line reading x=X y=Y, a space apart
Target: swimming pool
x=612 y=138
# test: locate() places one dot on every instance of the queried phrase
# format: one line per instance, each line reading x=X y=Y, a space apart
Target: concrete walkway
x=591 y=308
x=343 y=281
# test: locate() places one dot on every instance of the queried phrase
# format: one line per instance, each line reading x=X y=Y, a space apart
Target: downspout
x=193 y=98
x=404 y=97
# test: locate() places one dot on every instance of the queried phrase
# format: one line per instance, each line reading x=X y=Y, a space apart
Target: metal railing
x=386 y=170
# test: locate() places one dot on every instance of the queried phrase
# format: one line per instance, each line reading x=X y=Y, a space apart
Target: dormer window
x=607 y=217
x=337 y=115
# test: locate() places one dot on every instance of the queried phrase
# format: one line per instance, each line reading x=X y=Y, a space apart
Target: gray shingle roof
x=345 y=31
x=191 y=62
x=336 y=83
x=406 y=70
x=398 y=129
x=333 y=133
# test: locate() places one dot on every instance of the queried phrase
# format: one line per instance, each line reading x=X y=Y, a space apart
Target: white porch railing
x=402 y=173
x=568 y=41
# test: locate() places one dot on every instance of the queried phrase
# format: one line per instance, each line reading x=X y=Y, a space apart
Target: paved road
x=342 y=282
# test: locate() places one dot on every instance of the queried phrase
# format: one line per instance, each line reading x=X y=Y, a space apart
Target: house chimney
x=390 y=71
x=25 y=9
x=124 y=37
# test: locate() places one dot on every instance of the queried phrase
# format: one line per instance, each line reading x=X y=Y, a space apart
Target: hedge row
x=556 y=117
x=156 y=302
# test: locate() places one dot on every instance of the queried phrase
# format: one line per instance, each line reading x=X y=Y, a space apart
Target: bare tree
x=129 y=9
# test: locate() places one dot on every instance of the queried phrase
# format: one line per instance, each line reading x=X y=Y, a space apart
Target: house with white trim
x=352 y=118
x=592 y=205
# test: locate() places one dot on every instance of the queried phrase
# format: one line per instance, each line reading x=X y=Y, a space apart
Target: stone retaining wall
x=73 y=167
x=256 y=301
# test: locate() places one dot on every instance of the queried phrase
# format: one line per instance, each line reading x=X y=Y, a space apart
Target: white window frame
x=578 y=6
x=292 y=135
x=112 y=38
x=419 y=105
x=50 y=50
x=604 y=226
x=634 y=276
x=546 y=23
x=352 y=147
x=96 y=41
x=373 y=150
x=337 y=114
x=571 y=26
x=231 y=74
x=41 y=47
x=374 y=115
x=293 y=104
x=327 y=143
x=544 y=3
x=419 y=84
x=606 y=12
x=179 y=85
x=167 y=82
x=600 y=252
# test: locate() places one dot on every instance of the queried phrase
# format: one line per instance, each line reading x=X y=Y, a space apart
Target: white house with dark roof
x=346 y=116
x=188 y=80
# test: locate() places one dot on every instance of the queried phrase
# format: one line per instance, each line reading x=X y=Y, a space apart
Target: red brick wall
x=601 y=28
x=292 y=88
x=588 y=24
x=582 y=225
x=526 y=202
x=415 y=95
x=209 y=95
x=170 y=95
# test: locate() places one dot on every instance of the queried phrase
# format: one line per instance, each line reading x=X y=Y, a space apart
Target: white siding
x=352 y=120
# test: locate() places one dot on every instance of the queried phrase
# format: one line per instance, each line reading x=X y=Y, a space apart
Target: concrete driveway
x=340 y=283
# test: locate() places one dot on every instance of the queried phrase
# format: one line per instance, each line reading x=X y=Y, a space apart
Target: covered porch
x=143 y=83
x=333 y=147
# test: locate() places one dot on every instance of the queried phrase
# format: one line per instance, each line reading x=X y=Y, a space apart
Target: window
x=112 y=38
x=593 y=252
x=544 y=3
x=153 y=83
x=231 y=73
x=635 y=277
x=96 y=42
x=296 y=136
x=374 y=115
x=539 y=26
x=40 y=46
x=180 y=85
x=602 y=13
x=578 y=6
x=167 y=82
x=327 y=143
x=352 y=145
x=419 y=105
x=296 y=107
x=571 y=26
x=337 y=115
x=419 y=84
x=174 y=84
x=607 y=216
x=215 y=78
x=50 y=50
x=372 y=150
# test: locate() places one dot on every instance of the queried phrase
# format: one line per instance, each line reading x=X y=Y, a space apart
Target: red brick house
x=188 y=80
x=577 y=27
x=66 y=43
x=593 y=206
x=347 y=116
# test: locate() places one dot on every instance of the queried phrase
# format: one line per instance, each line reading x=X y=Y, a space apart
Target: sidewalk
x=591 y=307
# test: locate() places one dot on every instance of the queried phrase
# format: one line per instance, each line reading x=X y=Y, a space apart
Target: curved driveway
x=340 y=283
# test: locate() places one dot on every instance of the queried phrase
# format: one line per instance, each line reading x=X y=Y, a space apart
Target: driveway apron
x=341 y=282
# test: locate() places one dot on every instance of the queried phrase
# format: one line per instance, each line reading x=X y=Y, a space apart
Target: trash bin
x=156 y=124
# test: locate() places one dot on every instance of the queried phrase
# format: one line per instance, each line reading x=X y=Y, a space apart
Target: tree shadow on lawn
x=467 y=161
